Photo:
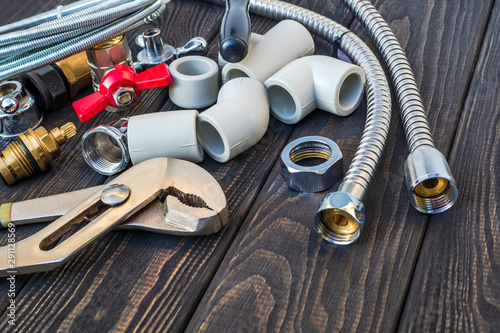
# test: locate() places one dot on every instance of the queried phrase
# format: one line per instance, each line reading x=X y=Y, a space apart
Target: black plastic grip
x=235 y=31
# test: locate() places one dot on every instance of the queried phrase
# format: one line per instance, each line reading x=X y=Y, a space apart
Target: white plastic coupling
x=195 y=82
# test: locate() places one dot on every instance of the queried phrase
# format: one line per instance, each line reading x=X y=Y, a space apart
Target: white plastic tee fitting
x=164 y=134
x=195 y=82
x=238 y=120
x=315 y=82
x=268 y=53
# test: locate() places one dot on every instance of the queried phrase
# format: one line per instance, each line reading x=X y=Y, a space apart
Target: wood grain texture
x=136 y=280
x=278 y=275
x=456 y=286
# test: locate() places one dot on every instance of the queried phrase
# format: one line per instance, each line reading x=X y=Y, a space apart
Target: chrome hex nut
x=311 y=178
x=124 y=96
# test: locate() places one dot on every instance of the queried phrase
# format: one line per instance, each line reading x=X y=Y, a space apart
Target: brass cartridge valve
x=34 y=153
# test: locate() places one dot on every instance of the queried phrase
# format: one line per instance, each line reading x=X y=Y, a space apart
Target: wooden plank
x=278 y=275
x=157 y=280
x=70 y=172
x=455 y=286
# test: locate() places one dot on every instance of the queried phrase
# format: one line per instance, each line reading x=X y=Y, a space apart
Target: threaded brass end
x=34 y=153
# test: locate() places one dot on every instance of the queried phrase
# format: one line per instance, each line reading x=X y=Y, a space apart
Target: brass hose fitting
x=52 y=85
x=34 y=153
x=76 y=71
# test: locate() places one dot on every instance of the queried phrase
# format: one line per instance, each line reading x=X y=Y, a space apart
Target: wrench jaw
x=194 y=204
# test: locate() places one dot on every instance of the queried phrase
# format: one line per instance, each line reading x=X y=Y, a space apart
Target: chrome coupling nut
x=339 y=218
x=155 y=51
x=105 y=148
x=314 y=178
x=431 y=185
x=18 y=111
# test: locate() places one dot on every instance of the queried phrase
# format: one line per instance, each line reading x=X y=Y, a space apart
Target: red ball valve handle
x=121 y=87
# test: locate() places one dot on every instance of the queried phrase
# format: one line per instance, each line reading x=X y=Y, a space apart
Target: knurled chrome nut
x=124 y=96
x=311 y=178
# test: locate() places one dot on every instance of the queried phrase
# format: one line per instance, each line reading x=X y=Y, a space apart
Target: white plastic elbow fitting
x=195 y=82
x=164 y=134
x=268 y=53
x=238 y=120
x=315 y=82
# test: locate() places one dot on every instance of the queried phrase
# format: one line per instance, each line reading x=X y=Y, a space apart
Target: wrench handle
x=235 y=31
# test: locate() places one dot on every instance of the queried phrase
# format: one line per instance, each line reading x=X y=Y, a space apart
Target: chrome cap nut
x=311 y=178
x=339 y=218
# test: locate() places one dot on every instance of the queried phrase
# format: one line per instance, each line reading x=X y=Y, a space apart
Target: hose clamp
x=314 y=178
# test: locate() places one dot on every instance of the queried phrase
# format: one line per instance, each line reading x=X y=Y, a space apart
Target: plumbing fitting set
x=276 y=73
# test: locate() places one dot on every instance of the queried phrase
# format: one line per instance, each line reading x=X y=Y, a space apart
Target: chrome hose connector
x=105 y=149
x=340 y=218
x=430 y=183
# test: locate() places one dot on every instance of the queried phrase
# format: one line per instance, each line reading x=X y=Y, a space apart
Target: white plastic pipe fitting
x=268 y=53
x=315 y=82
x=164 y=134
x=238 y=120
x=195 y=82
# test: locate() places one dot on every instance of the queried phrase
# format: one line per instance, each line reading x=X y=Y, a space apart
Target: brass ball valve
x=121 y=87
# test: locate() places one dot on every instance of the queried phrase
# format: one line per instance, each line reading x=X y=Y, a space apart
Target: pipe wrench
x=162 y=195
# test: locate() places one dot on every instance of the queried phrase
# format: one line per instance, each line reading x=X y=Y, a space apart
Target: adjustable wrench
x=161 y=195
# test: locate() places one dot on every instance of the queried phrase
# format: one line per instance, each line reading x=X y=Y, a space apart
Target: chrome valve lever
x=155 y=51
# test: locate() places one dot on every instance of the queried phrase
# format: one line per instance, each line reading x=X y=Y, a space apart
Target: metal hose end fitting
x=430 y=182
x=105 y=147
x=18 y=111
x=34 y=153
x=340 y=218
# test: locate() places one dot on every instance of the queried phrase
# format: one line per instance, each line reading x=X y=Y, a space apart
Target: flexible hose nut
x=429 y=180
x=34 y=153
x=339 y=218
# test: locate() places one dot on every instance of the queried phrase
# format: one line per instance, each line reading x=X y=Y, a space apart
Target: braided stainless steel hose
x=18 y=63
x=341 y=214
x=429 y=179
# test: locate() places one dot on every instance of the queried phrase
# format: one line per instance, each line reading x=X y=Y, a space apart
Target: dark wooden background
x=268 y=270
